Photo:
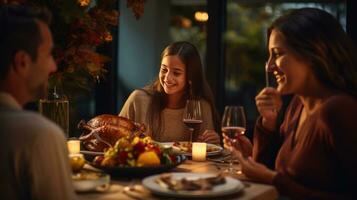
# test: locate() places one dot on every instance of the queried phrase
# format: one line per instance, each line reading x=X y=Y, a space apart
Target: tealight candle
x=73 y=146
x=199 y=151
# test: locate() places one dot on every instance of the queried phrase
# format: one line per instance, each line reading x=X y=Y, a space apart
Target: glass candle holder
x=74 y=146
x=199 y=151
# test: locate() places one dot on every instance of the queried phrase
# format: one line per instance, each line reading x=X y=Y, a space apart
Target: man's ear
x=22 y=62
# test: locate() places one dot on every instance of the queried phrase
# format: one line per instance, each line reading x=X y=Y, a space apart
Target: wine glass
x=192 y=116
x=233 y=125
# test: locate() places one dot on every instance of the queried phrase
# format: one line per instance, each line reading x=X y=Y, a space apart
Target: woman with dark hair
x=315 y=147
x=160 y=105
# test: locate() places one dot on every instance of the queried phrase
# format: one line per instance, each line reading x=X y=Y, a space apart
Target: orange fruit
x=76 y=161
x=148 y=158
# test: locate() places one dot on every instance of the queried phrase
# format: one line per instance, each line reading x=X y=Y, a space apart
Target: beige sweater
x=136 y=107
x=33 y=153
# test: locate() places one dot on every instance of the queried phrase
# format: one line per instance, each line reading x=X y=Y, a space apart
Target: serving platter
x=126 y=171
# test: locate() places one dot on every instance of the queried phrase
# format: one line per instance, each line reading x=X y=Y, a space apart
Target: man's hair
x=19 y=30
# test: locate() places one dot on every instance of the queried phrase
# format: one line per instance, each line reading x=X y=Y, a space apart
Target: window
x=188 y=23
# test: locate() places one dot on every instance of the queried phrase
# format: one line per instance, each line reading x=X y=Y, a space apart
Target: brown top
x=321 y=163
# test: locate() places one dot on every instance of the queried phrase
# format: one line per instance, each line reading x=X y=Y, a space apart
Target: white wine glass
x=192 y=116
x=233 y=125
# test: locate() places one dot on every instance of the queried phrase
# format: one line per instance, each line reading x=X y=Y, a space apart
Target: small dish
x=89 y=180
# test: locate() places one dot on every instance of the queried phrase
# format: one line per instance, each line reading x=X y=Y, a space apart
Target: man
x=34 y=158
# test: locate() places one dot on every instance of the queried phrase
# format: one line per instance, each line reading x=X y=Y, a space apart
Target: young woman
x=160 y=106
x=315 y=147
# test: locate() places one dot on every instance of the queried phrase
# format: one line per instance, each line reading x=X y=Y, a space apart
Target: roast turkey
x=103 y=131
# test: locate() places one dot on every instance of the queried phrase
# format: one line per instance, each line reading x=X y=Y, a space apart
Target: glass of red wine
x=233 y=125
x=192 y=116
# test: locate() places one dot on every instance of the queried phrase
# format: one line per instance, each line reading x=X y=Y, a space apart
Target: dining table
x=124 y=188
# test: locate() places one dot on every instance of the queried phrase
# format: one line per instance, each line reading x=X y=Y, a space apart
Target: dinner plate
x=89 y=180
x=140 y=171
x=231 y=186
x=217 y=149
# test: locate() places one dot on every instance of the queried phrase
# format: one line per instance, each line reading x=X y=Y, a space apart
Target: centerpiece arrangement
x=136 y=157
x=123 y=148
x=136 y=152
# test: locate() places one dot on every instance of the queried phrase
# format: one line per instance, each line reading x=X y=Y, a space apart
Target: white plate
x=230 y=187
x=211 y=153
x=91 y=184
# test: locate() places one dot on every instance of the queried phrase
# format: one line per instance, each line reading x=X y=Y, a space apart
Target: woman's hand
x=242 y=145
x=269 y=103
x=210 y=136
x=255 y=170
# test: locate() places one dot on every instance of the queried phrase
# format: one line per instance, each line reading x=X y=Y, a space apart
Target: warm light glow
x=201 y=16
x=74 y=146
x=108 y=37
x=199 y=151
x=83 y=2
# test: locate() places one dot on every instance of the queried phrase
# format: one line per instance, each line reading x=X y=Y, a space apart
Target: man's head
x=25 y=49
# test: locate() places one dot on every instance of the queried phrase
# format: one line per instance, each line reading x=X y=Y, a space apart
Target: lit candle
x=73 y=146
x=199 y=151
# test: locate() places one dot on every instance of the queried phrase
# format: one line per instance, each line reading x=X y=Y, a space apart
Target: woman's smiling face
x=172 y=75
x=292 y=74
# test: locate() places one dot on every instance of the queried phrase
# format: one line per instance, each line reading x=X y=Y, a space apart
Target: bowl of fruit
x=135 y=156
